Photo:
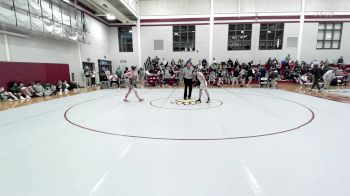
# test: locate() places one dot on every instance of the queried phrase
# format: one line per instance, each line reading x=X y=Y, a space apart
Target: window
x=125 y=39
x=329 y=35
x=239 y=37
x=184 y=38
x=271 y=36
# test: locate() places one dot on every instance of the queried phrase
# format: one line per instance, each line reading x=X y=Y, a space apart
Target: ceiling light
x=110 y=17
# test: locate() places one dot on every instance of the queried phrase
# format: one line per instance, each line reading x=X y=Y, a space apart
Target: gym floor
x=246 y=141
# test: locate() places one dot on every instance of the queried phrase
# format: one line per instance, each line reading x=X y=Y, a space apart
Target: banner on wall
x=58 y=29
x=47 y=11
x=21 y=4
x=74 y=35
x=37 y=24
x=7 y=16
x=57 y=16
x=48 y=26
x=7 y=3
x=23 y=20
x=34 y=7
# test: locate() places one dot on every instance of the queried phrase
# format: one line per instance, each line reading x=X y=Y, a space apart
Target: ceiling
x=98 y=11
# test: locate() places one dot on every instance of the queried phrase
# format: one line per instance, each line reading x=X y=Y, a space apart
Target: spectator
x=5 y=95
x=274 y=77
x=328 y=77
x=87 y=74
x=113 y=79
x=317 y=75
x=340 y=61
x=15 y=90
x=93 y=77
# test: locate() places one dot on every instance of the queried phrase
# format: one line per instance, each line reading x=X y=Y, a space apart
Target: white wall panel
x=226 y=6
x=309 y=51
x=221 y=53
x=326 y=5
x=149 y=34
x=130 y=57
x=171 y=7
x=37 y=48
x=2 y=48
x=98 y=45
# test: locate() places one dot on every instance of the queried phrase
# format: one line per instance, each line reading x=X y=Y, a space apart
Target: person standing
x=132 y=77
x=141 y=76
x=93 y=77
x=203 y=86
x=317 y=75
x=328 y=77
x=87 y=73
x=188 y=77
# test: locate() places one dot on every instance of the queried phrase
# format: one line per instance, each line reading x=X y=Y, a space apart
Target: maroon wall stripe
x=174 y=20
x=325 y=16
x=186 y=24
x=236 y=18
x=256 y=17
x=330 y=21
x=257 y=22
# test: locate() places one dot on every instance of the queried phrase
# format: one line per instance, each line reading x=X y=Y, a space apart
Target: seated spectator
x=72 y=86
x=212 y=77
x=15 y=90
x=4 y=95
x=235 y=77
x=274 y=77
x=250 y=76
x=242 y=76
x=40 y=90
x=113 y=79
x=61 y=87
x=27 y=91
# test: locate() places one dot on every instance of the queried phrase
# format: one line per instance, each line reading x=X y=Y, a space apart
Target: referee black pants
x=188 y=84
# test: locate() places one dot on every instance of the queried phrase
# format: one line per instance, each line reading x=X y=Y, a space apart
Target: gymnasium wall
x=171 y=7
x=123 y=59
x=157 y=19
x=308 y=49
x=191 y=7
x=259 y=56
x=151 y=33
x=98 y=45
x=40 y=49
x=2 y=48
x=43 y=49
x=32 y=72
x=252 y=6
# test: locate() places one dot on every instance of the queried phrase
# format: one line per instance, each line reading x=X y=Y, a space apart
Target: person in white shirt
x=328 y=77
x=202 y=86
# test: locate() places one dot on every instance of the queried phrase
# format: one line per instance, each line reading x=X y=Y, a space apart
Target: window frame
x=275 y=28
x=332 y=40
x=184 y=32
x=233 y=29
x=123 y=35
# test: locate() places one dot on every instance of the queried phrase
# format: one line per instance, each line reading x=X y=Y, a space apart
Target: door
x=104 y=65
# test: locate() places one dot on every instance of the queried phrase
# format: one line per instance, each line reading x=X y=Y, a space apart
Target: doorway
x=104 y=65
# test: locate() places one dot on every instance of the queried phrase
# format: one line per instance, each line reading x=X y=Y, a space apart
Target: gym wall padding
x=28 y=72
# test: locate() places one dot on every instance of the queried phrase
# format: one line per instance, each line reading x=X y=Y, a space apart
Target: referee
x=188 y=76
